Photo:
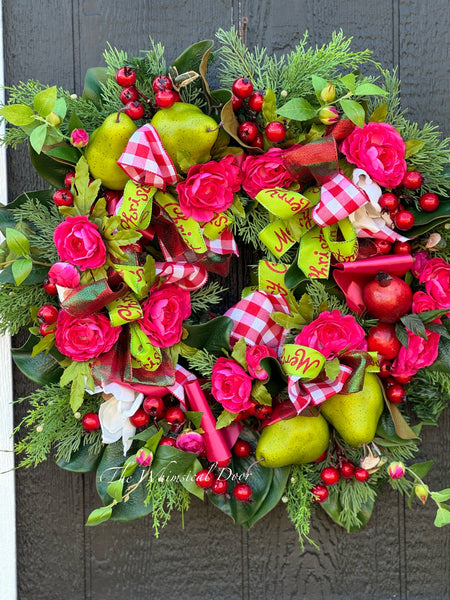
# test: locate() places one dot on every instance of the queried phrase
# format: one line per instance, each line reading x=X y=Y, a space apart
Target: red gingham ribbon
x=303 y=394
x=182 y=377
x=187 y=276
x=384 y=233
x=339 y=198
x=145 y=161
x=224 y=244
x=252 y=319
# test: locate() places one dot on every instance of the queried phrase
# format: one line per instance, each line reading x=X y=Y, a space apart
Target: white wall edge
x=8 y=563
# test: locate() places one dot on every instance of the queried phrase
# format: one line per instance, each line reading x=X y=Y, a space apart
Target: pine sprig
x=299 y=500
x=15 y=303
x=320 y=296
x=45 y=220
x=429 y=395
x=202 y=362
x=207 y=296
x=352 y=496
x=50 y=424
x=166 y=496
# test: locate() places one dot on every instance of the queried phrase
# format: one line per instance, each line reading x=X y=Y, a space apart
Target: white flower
x=115 y=414
x=369 y=215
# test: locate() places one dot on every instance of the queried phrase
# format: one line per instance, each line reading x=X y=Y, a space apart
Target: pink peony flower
x=190 y=441
x=79 y=138
x=65 y=275
x=231 y=385
x=86 y=337
x=208 y=188
x=378 y=149
x=332 y=333
x=265 y=171
x=144 y=457
x=164 y=312
x=396 y=470
x=420 y=261
x=422 y=302
x=419 y=354
x=436 y=277
x=253 y=356
x=79 y=242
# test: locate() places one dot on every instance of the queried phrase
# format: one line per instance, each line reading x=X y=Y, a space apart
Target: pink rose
x=231 y=385
x=164 y=312
x=253 y=356
x=64 y=275
x=265 y=171
x=422 y=302
x=436 y=277
x=420 y=261
x=190 y=441
x=332 y=333
x=86 y=337
x=79 y=242
x=419 y=354
x=378 y=149
x=144 y=457
x=79 y=138
x=209 y=188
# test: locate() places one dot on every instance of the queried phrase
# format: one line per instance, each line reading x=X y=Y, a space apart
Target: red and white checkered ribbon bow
x=338 y=199
x=182 y=376
x=187 y=276
x=383 y=233
x=303 y=394
x=145 y=161
x=252 y=319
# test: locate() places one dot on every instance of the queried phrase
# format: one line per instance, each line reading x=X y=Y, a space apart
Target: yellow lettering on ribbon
x=214 y=228
x=136 y=209
x=188 y=228
x=148 y=356
x=301 y=361
x=124 y=310
x=282 y=203
x=271 y=277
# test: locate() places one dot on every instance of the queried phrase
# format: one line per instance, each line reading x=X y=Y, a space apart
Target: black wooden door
x=399 y=555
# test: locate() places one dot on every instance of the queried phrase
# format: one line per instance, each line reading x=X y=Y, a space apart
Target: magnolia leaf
x=95 y=77
x=297 y=109
x=99 y=515
x=354 y=111
x=43 y=369
x=17 y=242
x=441 y=496
x=82 y=460
x=239 y=351
x=187 y=479
x=442 y=516
x=349 y=81
x=413 y=147
x=260 y=394
x=369 y=89
x=44 y=102
x=115 y=490
x=225 y=419
x=18 y=114
x=379 y=114
x=37 y=138
x=269 y=108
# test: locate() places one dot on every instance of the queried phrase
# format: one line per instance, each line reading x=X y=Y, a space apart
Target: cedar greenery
x=299 y=500
x=166 y=495
x=15 y=303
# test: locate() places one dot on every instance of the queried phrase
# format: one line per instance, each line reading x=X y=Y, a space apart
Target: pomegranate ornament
x=387 y=297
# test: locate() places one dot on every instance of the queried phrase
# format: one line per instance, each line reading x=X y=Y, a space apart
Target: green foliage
x=352 y=496
x=207 y=296
x=15 y=305
x=166 y=495
x=320 y=296
x=429 y=395
x=300 y=500
x=50 y=424
x=202 y=362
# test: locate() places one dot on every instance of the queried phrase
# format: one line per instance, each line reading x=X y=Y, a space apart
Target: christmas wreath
x=313 y=387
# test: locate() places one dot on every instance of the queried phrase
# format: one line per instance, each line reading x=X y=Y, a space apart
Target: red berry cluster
x=331 y=475
x=154 y=409
x=47 y=316
x=206 y=480
x=250 y=103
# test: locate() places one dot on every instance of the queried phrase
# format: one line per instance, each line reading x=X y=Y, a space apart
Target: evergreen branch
x=319 y=296
x=202 y=362
x=45 y=220
x=429 y=395
x=352 y=496
x=207 y=296
x=15 y=303
x=299 y=500
x=166 y=496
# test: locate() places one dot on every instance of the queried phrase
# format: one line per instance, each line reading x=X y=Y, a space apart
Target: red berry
x=219 y=486
x=330 y=475
x=222 y=464
x=412 y=180
x=320 y=493
x=125 y=76
x=63 y=197
x=46 y=328
x=402 y=247
x=242 y=492
x=154 y=406
x=69 y=179
x=167 y=441
x=259 y=141
x=395 y=393
x=383 y=246
x=91 y=421
x=429 y=202
x=135 y=110
x=204 y=479
x=261 y=411
x=382 y=339
x=49 y=286
x=388 y=201
x=247 y=132
x=165 y=98
x=242 y=87
x=275 y=132
x=175 y=416
x=129 y=94
x=161 y=83
x=404 y=220
x=385 y=368
x=347 y=470
x=256 y=101
x=47 y=314
x=236 y=103
x=140 y=418
x=361 y=474
x=242 y=448
x=403 y=379
x=321 y=457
